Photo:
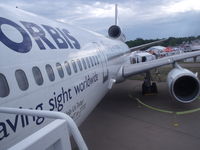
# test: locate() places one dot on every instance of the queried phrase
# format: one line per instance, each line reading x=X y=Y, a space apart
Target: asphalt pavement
x=126 y=120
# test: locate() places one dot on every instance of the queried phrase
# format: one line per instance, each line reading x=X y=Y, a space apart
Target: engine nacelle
x=115 y=32
x=183 y=85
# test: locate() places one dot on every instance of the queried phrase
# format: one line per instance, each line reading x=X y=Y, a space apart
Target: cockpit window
x=60 y=70
x=4 y=88
x=21 y=79
x=50 y=72
x=37 y=75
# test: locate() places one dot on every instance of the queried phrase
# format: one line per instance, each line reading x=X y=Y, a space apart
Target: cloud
x=156 y=17
x=182 y=6
x=184 y=24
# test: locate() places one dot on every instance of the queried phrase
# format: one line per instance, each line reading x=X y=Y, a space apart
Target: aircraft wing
x=132 y=69
x=135 y=48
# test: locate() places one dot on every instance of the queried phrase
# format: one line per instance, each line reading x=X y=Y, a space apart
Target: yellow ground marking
x=165 y=111
x=176 y=124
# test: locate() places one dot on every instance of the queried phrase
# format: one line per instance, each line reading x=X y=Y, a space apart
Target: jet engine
x=115 y=32
x=183 y=85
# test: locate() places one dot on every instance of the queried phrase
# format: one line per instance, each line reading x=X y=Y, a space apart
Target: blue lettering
x=38 y=34
x=69 y=94
x=85 y=84
x=67 y=40
x=57 y=38
x=60 y=105
x=51 y=104
x=23 y=122
x=66 y=94
x=3 y=131
x=39 y=120
x=13 y=126
x=77 y=89
x=56 y=103
x=27 y=121
x=75 y=42
x=62 y=38
x=23 y=47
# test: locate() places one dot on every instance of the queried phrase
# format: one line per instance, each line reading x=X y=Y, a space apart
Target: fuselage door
x=103 y=61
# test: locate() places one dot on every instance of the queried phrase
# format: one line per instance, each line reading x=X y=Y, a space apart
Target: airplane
x=50 y=65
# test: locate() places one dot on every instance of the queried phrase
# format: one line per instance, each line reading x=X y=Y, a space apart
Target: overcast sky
x=138 y=18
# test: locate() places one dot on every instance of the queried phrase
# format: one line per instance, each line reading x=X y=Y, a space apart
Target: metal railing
x=73 y=129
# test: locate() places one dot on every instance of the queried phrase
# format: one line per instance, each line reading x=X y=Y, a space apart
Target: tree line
x=171 y=41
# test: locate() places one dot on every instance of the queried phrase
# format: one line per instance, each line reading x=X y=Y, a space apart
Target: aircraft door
x=103 y=61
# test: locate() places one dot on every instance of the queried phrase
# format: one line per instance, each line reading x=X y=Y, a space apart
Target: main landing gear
x=149 y=87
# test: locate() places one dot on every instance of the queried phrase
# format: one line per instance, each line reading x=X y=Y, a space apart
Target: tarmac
x=126 y=120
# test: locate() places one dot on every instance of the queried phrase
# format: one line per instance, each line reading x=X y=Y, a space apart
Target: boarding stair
x=54 y=136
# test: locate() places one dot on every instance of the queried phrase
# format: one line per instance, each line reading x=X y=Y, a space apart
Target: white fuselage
x=34 y=53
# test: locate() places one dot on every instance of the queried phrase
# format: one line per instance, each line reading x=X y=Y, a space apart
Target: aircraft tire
x=154 y=87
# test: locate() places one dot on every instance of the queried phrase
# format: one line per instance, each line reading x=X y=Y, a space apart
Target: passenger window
x=88 y=62
x=144 y=59
x=50 y=72
x=79 y=64
x=21 y=79
x=84 y=63
x=60 y=70
x=97 y=60
x=4 y=88
x=37 y=75
x=91 y=61
x=68 y=68
x=74 y=66
x=95 y=63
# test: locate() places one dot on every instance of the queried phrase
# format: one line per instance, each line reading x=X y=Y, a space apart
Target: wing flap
x=132 y=69
x=135 y=48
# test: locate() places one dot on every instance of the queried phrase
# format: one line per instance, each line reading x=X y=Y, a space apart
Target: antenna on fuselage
x=116 y=15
